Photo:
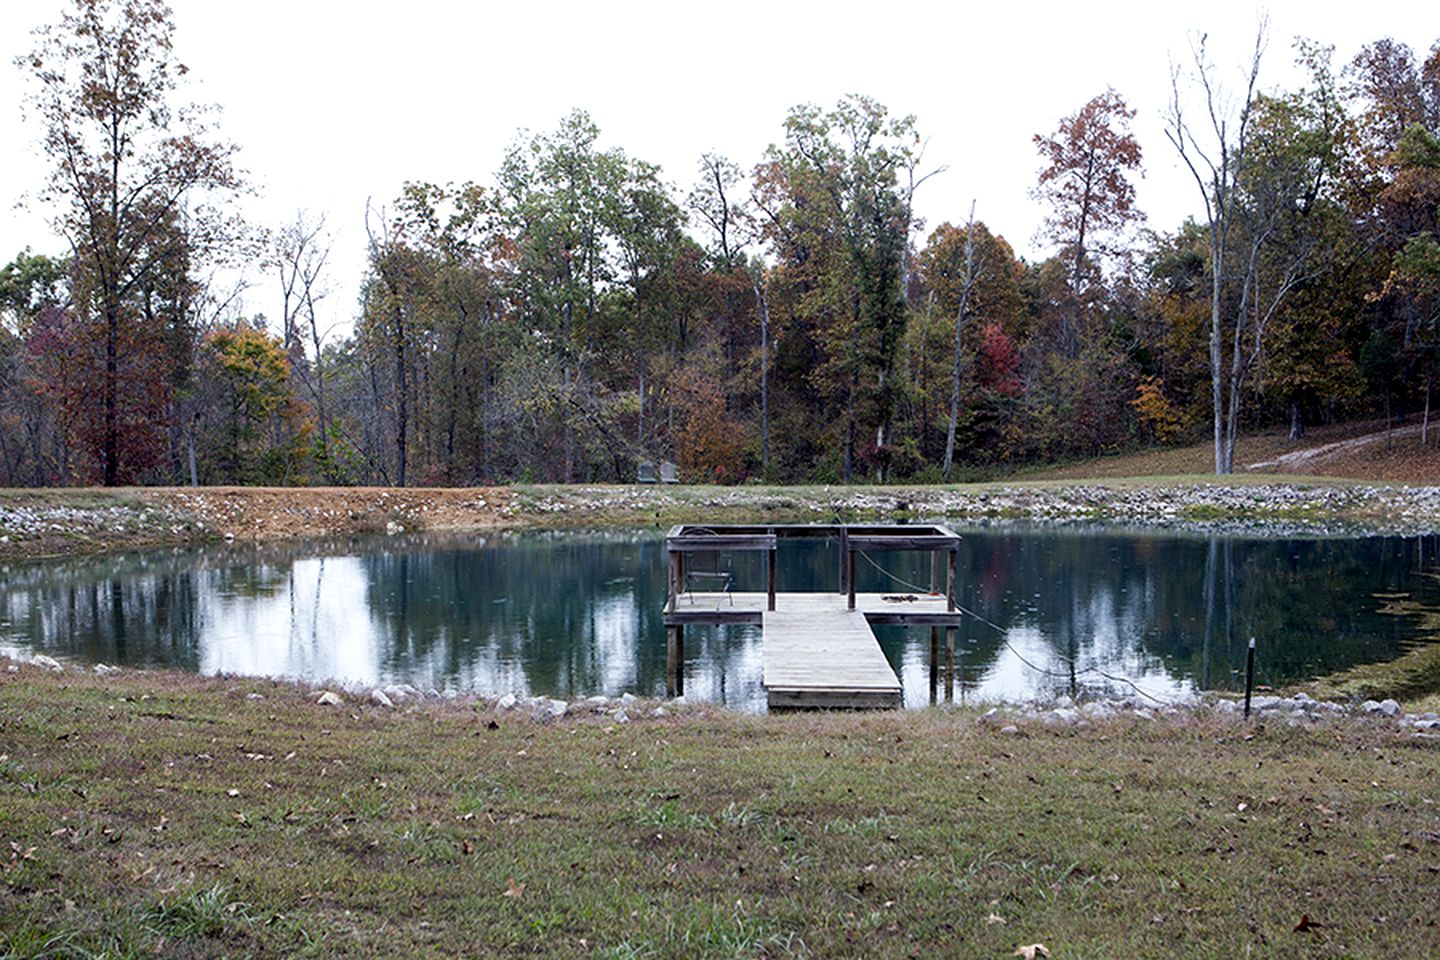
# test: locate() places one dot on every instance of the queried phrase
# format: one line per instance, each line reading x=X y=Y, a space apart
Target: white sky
x=333 y=103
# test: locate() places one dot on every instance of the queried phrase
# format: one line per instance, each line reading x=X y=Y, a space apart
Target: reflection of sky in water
x=316 y=626
x=576 y=615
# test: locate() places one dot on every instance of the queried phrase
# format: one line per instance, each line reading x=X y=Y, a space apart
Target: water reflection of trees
x=1186 y=606
x=572 y=615
x=560 y=615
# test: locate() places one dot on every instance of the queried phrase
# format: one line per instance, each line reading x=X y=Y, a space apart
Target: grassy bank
x=167 y=815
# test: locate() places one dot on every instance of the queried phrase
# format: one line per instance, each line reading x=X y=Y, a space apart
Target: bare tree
x=301 y=252
x=967 y=286
x=1216 y=156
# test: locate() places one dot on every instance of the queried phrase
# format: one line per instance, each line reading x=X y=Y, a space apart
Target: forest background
x=574 y=314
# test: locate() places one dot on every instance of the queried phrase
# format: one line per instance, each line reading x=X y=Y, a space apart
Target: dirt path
x=1309 y=461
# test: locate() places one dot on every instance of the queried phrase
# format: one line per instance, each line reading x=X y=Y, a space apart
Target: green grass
x=423 y=832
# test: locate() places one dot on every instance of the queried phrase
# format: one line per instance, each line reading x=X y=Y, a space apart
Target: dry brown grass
x=159 y=815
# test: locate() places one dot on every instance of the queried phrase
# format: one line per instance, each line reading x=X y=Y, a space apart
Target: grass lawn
x=167 y=815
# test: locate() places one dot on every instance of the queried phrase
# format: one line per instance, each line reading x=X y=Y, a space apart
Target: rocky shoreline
x=60 y=522
x=1298 y=709
x=1062 y=713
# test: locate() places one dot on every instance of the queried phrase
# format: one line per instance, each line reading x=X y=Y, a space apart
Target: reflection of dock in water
x=818 y=648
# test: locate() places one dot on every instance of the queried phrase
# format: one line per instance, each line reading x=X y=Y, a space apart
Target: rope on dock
x=1079 y=671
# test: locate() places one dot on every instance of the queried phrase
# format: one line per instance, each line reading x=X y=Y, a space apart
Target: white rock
x=989 y=716
x=507 y=702
x=556 y=708
x=1064 y=702
x=1390 y=708
x=46 y=663
x=621 y=716
x=394 y=692
x=328 y=698
x=12 y=669
x=1143 y=714
x=1010 y=728
x=627 y=698
x=104 y=668
x=254 y=696
x=1370 y=706
x=1426 y=724
x=598 y=701
x=404 y=689
x=1225 y=706
x=1063 y=717
x=659 y=712
x=1095 y=710
x=379 y=697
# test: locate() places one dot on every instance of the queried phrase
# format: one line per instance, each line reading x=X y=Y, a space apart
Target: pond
x=1056 y=610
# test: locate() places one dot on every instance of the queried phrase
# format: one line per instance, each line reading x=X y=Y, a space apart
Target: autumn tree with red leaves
x=130 y=176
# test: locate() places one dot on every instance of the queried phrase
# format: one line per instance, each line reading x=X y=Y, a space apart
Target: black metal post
x=1249 y=675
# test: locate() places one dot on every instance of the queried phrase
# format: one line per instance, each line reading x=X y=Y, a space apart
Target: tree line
x=787 y=318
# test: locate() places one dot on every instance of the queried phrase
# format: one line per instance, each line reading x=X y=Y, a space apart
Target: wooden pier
x=818 y=648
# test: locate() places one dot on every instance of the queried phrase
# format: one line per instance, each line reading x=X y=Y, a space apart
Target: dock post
x=950 y=663
x=850 y=573
x=673 y=588
x=950 y=581
x=934 y=661
x=675 y=660
x=844 y=555
x=934 y=571
x=670 y=661
x=770 y=575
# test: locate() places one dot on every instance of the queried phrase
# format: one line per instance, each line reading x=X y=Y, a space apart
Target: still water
x=575 y=614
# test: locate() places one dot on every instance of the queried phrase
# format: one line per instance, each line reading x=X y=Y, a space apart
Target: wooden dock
x=818 y=649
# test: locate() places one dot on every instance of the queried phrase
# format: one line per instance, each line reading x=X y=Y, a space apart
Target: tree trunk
x=763 y=307
x=1297 y=423
x=956 y=366
x=1425 y=422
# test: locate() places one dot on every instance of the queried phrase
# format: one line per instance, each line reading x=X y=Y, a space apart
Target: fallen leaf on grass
x=1306 y=924
x=513 y=889
x=1031 y=951
x=994 y=918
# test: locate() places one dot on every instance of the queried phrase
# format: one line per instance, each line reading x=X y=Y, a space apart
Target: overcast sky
x=333 y=103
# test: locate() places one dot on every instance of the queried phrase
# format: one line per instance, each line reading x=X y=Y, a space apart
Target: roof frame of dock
x=682 y=540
